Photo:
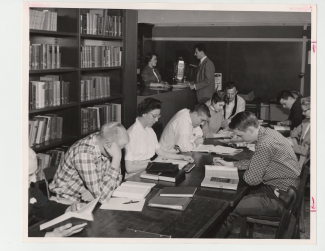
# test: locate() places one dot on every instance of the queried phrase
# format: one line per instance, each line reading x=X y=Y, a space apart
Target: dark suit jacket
x=148 y=76
x=204 y=84
x=295 y=115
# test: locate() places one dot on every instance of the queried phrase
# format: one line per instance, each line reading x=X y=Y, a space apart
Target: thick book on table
x=175 y=203
x=79 y=217
x=131 y=189
x=178 y=191
x=171 y=177
x=161 y=167
x=220 y=177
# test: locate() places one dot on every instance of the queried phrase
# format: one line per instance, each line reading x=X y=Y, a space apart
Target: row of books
x=48 y=159
x=44 y=56
x=92 y=118
x=94 y=87
x=48 y=92
x=43 y=20
x=97 y=24
x=101 y=56
x=44 y=128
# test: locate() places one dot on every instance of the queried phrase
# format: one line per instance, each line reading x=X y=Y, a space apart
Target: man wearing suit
x=204 y=84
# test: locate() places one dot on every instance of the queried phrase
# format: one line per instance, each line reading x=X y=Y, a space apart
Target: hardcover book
x=220 y=177
x=175 y=203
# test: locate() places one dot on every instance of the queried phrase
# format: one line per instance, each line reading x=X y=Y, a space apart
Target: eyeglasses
x=155 y=116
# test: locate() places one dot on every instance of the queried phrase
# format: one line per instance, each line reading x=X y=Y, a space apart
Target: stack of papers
x=180 y=163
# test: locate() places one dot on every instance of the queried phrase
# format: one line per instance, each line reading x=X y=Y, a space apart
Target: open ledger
x=78 y=217
x=132 y=189
x=220 y=177
x=180 y=163
x=217 y=149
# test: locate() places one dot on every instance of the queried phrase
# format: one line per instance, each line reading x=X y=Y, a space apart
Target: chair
x=289 y=223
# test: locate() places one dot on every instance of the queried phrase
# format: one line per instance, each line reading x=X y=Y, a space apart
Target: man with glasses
x=289 y=101
x=234 y=103
x=183 y=132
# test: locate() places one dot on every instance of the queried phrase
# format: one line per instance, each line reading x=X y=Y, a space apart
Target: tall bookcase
x=122 y=78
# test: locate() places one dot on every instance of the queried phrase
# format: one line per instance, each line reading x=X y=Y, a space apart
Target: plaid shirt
x=84 y=167
x=273 y=163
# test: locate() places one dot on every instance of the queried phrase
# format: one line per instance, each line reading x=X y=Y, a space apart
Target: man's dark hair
x=230 y=85
x=149 y=56
x=200 y=47
x=284 y=95
x=218 y=96
x=201 y=109
x=242 y=120
x=147 y=105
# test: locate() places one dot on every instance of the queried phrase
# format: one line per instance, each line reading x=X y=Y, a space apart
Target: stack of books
x=94 y=87
x=44 y=56
x=44 y=128
x=43 y=20
x=164 y=172
x=92 y=118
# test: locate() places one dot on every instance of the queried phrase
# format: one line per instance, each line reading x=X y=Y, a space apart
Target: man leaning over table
x=91 y=167
x=271 y=170
x=183 y=132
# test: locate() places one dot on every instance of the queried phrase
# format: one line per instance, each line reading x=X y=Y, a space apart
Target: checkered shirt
x=84 y=167
x=273 y=163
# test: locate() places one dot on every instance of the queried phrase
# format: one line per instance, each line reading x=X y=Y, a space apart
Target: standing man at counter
x=204 y=84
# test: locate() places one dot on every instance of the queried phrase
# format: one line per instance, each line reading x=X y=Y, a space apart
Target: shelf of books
x=76 y=75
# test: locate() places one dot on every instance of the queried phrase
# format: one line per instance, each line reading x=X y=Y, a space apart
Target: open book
x=220 y=177
x=180 y=163
x=132 y=189
x=78 y=217
x=280 y=128
x=217 y=149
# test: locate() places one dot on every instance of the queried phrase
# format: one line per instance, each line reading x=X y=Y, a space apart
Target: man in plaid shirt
x=271 y=170
x=91 y=167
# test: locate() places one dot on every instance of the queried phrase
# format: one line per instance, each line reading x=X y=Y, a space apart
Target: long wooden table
x=207 y=208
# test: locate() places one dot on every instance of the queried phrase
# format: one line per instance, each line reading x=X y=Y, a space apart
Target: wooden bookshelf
x=70 y=38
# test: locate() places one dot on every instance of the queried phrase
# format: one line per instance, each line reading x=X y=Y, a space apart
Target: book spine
x=58 y=58
x=59 y=127
x=53 y=57
x=46 y=94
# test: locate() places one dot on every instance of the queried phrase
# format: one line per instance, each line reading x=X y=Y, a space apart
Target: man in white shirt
x=234 y=105
x=183 y=132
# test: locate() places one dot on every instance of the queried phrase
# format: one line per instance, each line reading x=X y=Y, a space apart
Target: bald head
x=114 y=132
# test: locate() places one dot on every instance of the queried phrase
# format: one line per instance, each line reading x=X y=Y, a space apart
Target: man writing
x=91 y=167
x=289 y=101
x=234 y=103
x=183 y=132
x=204 y=84
x=271 y=170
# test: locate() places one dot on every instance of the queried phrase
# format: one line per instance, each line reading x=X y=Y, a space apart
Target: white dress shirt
x=143 y=142
x=179 y=131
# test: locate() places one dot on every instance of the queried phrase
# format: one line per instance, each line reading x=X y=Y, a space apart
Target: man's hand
x=65 y=230
x=224 y=124
x=113 y=150
x=198 y=141
x=217 y=161
x=86 y=195
x=192 y=86
x=75 y=206
x=188 y=158
x=284 y=123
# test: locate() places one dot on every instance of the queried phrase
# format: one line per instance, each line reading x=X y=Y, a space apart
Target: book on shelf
x=44 y=56
x=134 y=190
x=100 y=56
x=162 y=176
x=94 y=87
x=75 y=218
x=178 y=191
x=216 y=149
x=181 y=163
x=220 y=177
x=43 y=20
x=176 y=203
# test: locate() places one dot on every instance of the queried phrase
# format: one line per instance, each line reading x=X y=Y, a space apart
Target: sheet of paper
x=180 y=163
x=117 y=204
x=204 y=148
x=224 y=150
x=137 y=184
x=221 y=172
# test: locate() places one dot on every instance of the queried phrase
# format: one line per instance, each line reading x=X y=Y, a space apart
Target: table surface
x=207 y=208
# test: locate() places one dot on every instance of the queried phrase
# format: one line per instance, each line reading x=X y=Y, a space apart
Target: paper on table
x=180 y=163
x=117 y=204
x=280 y=128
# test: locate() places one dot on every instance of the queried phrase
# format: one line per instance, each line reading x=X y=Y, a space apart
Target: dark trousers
x=260 y=201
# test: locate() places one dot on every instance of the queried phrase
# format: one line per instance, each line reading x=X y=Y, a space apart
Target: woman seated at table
x=150 y=75
x=215 y=105
x=300 y=136
x=143 y=142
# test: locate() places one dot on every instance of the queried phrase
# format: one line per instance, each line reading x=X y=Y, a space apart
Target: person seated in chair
x=272 y=169
x=39 y=206
x=143 y=141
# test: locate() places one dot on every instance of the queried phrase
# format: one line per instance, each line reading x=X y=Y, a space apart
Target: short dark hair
x=201 y=108
x=149 y=56
x=284 y=95
x=230 y=85
x=242 y=120
x=147 y=105
x=200 y=47
x=218 y=96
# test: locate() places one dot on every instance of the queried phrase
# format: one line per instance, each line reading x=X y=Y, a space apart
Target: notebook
x=175 y=203
x=178 y=191
x=131 y=189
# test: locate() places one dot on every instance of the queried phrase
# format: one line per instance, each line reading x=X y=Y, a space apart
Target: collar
x=261 y=132
x=139 y=125
x=96 y=149
x=188 y=117
x=212 y=108
x=201 y=60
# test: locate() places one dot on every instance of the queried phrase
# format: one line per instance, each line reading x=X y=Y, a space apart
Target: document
x=221 y=177
x=124 y=204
